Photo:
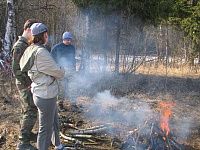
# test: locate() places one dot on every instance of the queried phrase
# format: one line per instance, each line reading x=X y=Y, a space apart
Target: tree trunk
x=198 y=54
x=167 y=47
x=86 y=45
x=158 y=47
x=118 y=43
x=141 y=39
x=191 y=57
x=105 y=46
x=10 y=35
x=166 y=55
x=185 y=48
x=161 y=43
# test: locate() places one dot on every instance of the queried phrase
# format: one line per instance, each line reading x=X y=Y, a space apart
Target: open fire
x=165 y=115
x=152 y=134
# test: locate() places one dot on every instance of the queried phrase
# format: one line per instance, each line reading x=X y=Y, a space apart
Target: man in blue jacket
x=64 y=54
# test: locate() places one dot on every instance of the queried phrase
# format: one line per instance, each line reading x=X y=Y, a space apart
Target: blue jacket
x=64 y=55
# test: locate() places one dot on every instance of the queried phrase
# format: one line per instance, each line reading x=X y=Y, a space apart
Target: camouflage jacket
x=22 y=79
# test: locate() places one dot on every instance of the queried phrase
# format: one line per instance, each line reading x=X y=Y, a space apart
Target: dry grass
x=184 y=71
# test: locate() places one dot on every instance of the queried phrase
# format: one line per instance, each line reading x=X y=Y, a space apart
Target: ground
x=123 y=101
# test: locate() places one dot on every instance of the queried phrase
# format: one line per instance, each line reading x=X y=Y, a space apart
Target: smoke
x=91 y=42
x=110 y=109
x=132 y=113
x=183 y=128
x=96 y=38
x=129 y=113
x=79 y=83
x=106 y=108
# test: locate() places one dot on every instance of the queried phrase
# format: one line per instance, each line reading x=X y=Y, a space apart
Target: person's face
x=67 y=42
x=28 y=33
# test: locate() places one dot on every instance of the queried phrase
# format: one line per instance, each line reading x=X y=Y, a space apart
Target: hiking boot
x=21 y=146
x=63 y=148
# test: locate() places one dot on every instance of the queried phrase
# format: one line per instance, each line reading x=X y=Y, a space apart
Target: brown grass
x=183 y=71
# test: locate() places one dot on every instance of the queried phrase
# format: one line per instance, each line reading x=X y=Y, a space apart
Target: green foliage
x=187 y=17
x=150 y=11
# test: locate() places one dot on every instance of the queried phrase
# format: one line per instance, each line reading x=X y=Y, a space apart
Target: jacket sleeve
x=46 y=64
x=22 y=77
x=16 y=55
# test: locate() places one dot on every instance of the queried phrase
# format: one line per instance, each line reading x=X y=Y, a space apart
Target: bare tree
x=10 y=35
x=118 y=43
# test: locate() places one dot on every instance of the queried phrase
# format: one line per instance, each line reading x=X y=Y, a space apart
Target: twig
x=175 y=144
x=88 y=131
x=91 y=143
x=151 y=134
x=151 y=128
x=96 y=127
x=70 y=148
x=70 y=125
x=81 y=136
x=167 y=139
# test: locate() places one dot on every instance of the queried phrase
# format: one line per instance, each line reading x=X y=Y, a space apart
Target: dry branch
x=70 y=139
x=81 y=136
x=89 y=131
x=70 y=125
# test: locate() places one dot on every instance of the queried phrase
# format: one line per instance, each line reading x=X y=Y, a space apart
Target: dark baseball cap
x=38 y=28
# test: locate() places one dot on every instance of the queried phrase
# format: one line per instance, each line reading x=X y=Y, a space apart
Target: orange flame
x=165 y=114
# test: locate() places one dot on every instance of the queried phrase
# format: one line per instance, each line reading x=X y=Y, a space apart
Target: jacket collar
x=21 y=38
x=40 y=45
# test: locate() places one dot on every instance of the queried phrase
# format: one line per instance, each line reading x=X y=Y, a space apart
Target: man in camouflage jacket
x=23 y=82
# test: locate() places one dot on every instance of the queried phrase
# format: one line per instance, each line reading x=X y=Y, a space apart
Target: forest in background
x=116 y=35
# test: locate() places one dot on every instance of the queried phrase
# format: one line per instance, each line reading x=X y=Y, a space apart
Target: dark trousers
x=29 y=115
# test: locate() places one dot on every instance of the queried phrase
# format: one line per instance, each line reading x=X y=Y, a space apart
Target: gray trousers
x=48 y=122
x=68 y=86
